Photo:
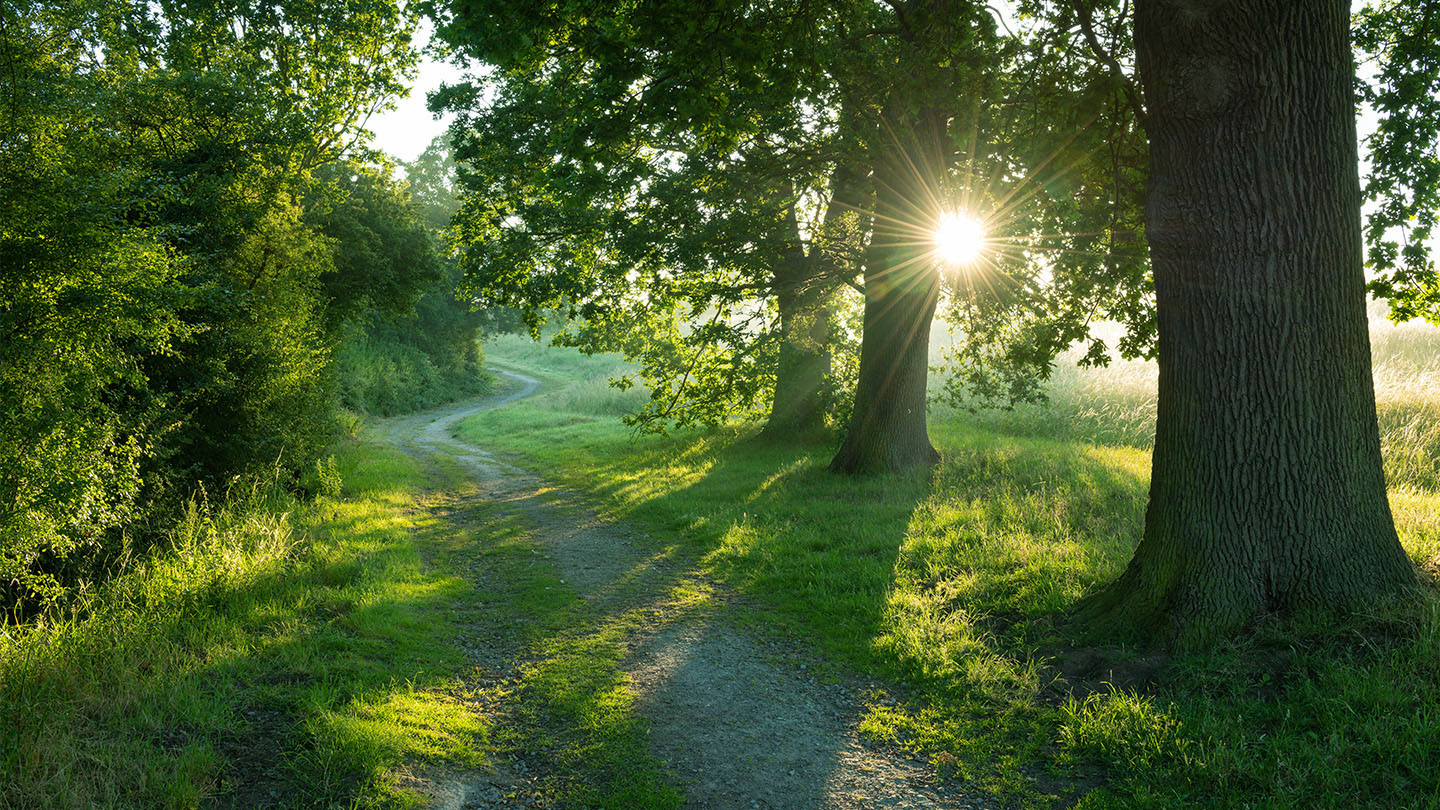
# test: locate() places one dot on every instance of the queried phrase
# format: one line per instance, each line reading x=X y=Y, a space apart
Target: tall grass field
x=1115 y=405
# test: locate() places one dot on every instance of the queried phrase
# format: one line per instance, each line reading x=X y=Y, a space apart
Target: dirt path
x=740 y=722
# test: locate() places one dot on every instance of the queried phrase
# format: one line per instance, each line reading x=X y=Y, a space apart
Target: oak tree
x=1267 y=492
x=678 y=179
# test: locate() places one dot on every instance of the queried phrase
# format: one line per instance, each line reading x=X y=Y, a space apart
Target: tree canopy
x=668 y=175
x=1402 y=44
x=651 y=169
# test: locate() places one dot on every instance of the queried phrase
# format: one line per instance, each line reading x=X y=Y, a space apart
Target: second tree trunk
x=902 y=287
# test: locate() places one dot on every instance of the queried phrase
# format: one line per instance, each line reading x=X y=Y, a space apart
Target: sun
x=958 y=239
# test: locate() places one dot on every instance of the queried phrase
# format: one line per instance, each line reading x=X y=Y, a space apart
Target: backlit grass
x=278 y=654
x=1116 y=405
x=954 y=587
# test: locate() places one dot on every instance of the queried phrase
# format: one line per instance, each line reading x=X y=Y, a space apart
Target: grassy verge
x=954 y=587
x=278 y=654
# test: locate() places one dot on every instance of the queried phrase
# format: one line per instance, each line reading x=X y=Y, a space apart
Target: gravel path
x=741 y=725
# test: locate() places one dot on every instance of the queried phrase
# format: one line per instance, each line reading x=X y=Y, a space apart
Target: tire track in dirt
x=740 y=723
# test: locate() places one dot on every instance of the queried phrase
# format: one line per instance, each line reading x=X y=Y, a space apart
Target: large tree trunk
x=887 y=429
x=1267 y=492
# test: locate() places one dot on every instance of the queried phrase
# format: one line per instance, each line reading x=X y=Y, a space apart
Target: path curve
x=740 y=722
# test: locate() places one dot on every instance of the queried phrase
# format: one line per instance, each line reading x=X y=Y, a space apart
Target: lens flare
x=959 y=239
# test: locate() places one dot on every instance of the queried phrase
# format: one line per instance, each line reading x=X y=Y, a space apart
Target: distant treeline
x=200 y=264
x=393 y=363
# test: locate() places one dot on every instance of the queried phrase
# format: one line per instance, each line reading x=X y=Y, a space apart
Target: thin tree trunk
x=805 y=286
x=804 y=361
x=803 y=370
x=1267 y=492
x=887 y=429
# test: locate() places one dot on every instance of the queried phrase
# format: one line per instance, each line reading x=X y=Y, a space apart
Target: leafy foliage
x=384 y=256
x=85 y=292
x=191 y=223
x=1067 y=192
x=1403 y=40
x=654 y=171
x=666 y=174
x=408 y=354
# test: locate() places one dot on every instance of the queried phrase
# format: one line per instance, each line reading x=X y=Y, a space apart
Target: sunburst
x=959 y=239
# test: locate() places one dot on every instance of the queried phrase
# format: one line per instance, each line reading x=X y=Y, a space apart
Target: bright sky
x=405 y=131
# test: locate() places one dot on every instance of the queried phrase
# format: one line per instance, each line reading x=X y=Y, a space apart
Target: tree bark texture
x=1267 y=492
x=887 y=430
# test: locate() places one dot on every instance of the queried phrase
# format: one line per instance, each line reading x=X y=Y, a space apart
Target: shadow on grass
x=343 y=674
x=947 y=585
x=1003 y=530
x=545 y=655
x=963 y=618
x=613 y=636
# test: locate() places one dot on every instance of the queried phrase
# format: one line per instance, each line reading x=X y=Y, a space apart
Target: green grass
x=580 y=385
x=278 y=654
x=567 y=704
x=283 y=654
x=288 y=654
x=953 y=588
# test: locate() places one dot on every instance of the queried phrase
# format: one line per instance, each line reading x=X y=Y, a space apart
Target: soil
x=742 y=722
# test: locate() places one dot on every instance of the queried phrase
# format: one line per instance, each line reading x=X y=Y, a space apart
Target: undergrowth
x=272 y=654
x=387 y=377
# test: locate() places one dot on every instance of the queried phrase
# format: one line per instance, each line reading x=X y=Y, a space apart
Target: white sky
x=405 y=131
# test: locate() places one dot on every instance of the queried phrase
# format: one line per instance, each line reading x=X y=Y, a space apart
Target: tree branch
x=1085 y=16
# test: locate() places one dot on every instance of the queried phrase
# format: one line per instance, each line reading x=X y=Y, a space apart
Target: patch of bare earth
x=740 y=723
